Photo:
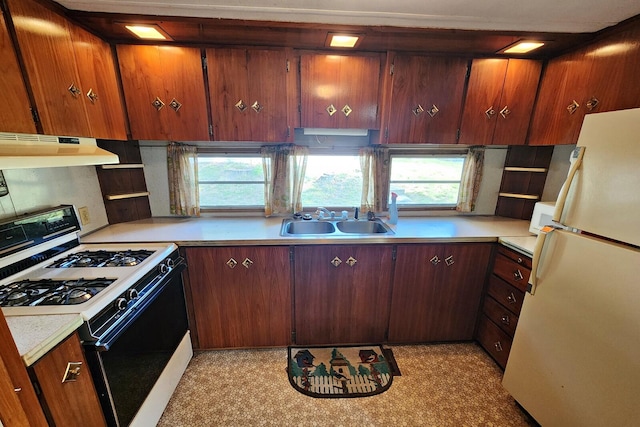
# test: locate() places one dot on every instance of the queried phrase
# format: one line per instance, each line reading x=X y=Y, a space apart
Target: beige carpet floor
x=441 y=385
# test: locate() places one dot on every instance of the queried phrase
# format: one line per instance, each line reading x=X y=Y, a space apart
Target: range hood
x=20 y=151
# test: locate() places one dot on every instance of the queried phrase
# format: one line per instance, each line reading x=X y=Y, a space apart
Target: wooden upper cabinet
x=252 y=93
x=499 y=102
x=339 y=91
x=66 y=65
x=164 y=91
x=425 y=99
x=15 y=109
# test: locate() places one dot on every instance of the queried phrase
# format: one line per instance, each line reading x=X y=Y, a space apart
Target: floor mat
x=331 y=371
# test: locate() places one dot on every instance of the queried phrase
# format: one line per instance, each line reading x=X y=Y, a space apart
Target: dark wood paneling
x=523 y=182
x=515 y=208
x=529 y=157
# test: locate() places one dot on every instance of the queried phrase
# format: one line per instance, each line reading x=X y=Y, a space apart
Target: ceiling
x=478 y=27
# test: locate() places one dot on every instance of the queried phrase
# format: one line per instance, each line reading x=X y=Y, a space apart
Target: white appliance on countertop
x=575 y=358
x=542 y=216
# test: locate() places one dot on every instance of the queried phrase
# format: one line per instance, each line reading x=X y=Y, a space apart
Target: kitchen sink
x=298 y=227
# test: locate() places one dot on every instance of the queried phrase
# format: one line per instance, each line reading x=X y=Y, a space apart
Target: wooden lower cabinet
x=437 y=289
x=342 y=293
x=239 y=296
x=73 y=402
x=505 y=291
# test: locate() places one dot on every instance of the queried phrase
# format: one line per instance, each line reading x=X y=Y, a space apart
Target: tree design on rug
x=321 y=371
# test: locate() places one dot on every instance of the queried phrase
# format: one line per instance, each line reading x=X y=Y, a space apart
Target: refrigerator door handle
x=535 y=260
x=576 y=161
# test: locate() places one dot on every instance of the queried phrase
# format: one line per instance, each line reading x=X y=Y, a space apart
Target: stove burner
x=127 y=258
x=51 y=292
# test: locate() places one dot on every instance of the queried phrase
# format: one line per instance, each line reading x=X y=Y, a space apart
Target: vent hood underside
x=20 y=151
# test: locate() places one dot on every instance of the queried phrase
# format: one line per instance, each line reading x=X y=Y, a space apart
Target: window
x=332 y=181
x=426 y=180
x=230 y=181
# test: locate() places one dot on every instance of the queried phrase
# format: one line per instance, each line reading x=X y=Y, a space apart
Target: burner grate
x=51 y=292
x=101 y=258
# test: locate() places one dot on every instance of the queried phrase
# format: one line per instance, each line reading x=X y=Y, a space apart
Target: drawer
x=494 y=340
x=512 y=272
x=507 y=295
x=515 y=256
x=502 y=317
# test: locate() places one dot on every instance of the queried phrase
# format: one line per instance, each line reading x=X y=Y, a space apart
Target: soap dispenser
x=393 y=209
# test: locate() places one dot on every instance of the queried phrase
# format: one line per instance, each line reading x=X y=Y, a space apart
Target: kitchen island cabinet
x=342 y=293
x=425 y=99
x=239 y=296
x=252 y=93
x=71 y=73
x=164 y=92
x=499 y=101
x=436 y=291
x=339 y=91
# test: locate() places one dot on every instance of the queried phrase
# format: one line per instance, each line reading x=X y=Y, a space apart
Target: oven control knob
x=169 y=263
x=131 y=294
x=163 y=269
x=120 y=304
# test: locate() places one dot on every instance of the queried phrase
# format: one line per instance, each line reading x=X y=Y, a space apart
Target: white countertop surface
x=36 y=335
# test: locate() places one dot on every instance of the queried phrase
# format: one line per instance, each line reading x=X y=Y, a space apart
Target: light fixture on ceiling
x=343 y=40
x=148 y=31
x=522 y=46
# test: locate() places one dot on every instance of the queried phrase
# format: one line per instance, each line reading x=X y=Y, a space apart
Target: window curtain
x=284 y=168
x=183 y=179
x=470 y=181
x=374 y=164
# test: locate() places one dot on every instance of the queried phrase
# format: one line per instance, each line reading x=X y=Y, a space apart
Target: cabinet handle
x=175 y=105
x=417 y=110
x=517 y=275
x=231 y=263
x=157 y=103
x=351 y=261
x=331 y=110
x=72 y=372
x=256 y=107
x=346 y=110
x=93 y=97
x=435 y=260
x=505 y=319
x=592 y=103
x=247 y=263
x=240 y=105
x=17 y=389
x=433 y=110
x=336 y=261
x=498 y=346
x=449 y=261
x=490 y=112
x=74 y=90
x=505 y=112
x=511 y=298
x=571 y=108
x=520 y=260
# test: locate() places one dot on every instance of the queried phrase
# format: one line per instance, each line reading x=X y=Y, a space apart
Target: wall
x=34 y=189
x=558 y=170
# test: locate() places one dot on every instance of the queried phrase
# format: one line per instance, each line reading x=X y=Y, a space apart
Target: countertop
x=36 y=335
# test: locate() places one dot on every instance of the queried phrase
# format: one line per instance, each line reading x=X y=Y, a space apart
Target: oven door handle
x=105 y=341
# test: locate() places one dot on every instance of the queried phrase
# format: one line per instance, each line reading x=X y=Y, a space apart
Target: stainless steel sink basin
x=330 y=228
x=363 y=227
x=307 y=227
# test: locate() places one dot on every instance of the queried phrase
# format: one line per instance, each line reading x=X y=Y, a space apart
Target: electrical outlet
x=84 y=215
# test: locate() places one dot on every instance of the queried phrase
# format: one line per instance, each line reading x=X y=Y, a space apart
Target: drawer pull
x=505 y=319
x=519 y=260
x=498 y=346
x=449 y=261
x=351 y=261
x=518 y=275
x=435 y=260
x=231 y=263
x=511 y=298
x=247 y=263
x=336 y=261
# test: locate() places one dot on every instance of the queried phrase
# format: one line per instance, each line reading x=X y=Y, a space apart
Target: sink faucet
x=371 y=215
x=321 y=212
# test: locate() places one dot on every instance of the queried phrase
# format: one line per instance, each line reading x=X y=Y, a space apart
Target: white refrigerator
x=575 y=358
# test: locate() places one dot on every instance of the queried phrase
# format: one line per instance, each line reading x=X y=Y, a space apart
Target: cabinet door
x=100 y=89
x=436 y=292
x=164 y=92
x=15 y=108
x=249 y=96
x=241 y=296
x=51 y=67
x=339 y=91
x=73 y=402
x=559 y=110
x=426 y=100
x=342 y=293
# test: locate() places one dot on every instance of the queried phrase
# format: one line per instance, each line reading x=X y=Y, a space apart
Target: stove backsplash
x=34 y=189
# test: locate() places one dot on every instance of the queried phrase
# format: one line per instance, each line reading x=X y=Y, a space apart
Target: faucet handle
x=356 y=212
x=371 y=215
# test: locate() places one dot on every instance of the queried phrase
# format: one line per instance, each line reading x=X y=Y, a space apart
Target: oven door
x=136 y=356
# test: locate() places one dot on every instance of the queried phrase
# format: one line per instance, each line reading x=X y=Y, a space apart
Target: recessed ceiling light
x=523 y=47
x=147 y=32
x=343 y=40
